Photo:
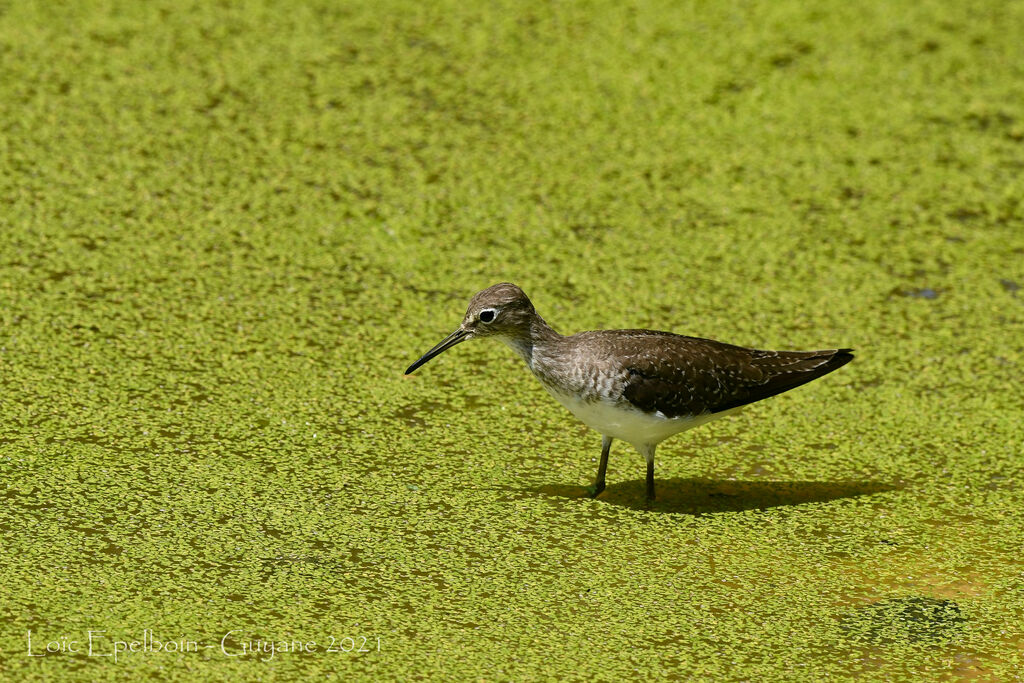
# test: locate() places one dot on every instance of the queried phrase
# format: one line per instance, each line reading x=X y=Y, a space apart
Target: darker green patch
x=917 y=293
x=907 y=620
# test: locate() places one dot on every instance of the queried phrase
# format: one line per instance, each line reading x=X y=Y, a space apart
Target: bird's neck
x=531 y=338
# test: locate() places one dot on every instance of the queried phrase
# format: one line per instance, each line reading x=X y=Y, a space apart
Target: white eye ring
x=488 y=315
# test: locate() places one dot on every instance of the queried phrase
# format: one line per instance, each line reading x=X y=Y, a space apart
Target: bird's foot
x=594 y=490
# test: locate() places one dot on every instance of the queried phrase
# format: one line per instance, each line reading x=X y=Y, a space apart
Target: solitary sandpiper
x=640 y=386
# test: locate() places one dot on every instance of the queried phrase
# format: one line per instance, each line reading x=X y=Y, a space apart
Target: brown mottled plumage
x=641 y=386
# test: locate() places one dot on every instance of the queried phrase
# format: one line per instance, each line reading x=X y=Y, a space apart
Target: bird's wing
x=689 y=376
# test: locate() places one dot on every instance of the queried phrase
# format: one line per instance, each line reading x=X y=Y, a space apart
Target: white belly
x=630 y=424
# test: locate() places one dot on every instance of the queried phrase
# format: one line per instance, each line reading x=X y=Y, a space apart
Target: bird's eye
x=487 y=315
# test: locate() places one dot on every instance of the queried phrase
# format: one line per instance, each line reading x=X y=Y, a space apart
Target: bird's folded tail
x=773 y=372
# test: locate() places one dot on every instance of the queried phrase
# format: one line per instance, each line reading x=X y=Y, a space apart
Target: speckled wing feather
x=677 y=375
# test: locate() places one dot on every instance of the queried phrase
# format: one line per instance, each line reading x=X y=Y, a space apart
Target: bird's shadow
x=698 y=496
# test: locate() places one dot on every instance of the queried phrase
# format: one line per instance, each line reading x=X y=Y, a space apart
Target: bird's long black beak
x=457 y=337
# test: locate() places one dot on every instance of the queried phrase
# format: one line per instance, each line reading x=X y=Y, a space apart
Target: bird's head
x=501 y=310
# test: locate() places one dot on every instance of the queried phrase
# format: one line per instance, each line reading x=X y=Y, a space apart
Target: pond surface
x=226 y=230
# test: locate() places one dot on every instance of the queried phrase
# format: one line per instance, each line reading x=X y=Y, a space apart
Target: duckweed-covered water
x=226 y=229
